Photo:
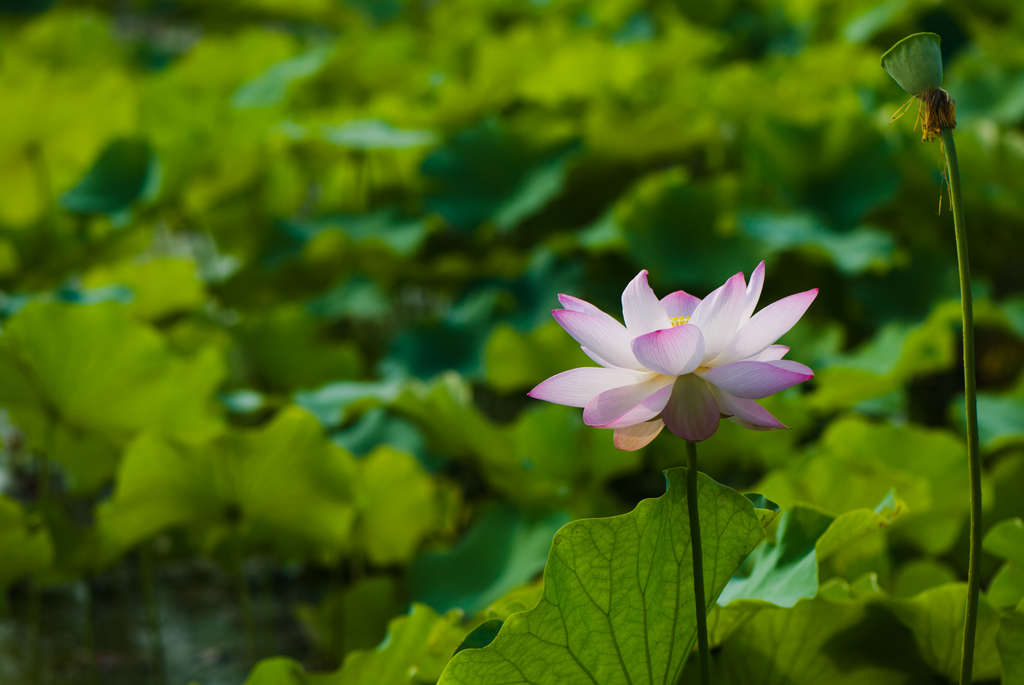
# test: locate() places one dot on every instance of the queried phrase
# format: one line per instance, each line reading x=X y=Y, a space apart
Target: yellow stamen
x=679 y=320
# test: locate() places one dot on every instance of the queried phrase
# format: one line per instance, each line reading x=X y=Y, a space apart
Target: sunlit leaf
x=159 y=287
x=95 y=376
x=399 y=505
x=283 y=484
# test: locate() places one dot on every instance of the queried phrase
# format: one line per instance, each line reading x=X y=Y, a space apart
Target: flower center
x=679 y=320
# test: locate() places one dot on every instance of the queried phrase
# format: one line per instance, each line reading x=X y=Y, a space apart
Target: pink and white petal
x=767 y=326
x=744 y=412
x=751 y=426
x=641 y=308
x=607 y=338
x=629 y=404
x=718 y=315
x=679 y=304
x=753 y=292
x=670 y=351
x=596 y=358
x=754 y=380
x=632 y=438
x=577 y=305
x=692 y=412
x=772 y=353
x=576 y=387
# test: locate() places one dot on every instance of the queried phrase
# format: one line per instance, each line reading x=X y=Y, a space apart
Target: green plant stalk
x=35 y=599
x=698 y=563
x=244 y=598
x=970 y=392
x=89 y=629
x=147 y=574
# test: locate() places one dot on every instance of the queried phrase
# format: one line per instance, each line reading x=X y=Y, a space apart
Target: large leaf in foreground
x=618 y=595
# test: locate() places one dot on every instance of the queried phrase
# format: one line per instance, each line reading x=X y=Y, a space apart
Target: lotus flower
x=680 y=362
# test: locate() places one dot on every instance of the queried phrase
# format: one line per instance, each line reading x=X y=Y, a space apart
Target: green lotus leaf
x=286 y=350
x=1010 y=641
x=785 y=571
x=331 y=403
x=399 y=505
x=1000 y=418
x=858 y=461
x=353 y=618
x=617 y=604
x=84 y=380
x=547 y=458
x=271 y=87
x=936 y=618
x=517 y=361
x=918 y=575
x=124 y=172
x=503 y=549
x=26 y=545
x=915 y=62
x=416 y=649
x=484 y=174
x=1006 y=540
x=284 y=485
x=378 y=427
x=160 y=287
x=836 y=637
x=1006 y=589
x=482 y=635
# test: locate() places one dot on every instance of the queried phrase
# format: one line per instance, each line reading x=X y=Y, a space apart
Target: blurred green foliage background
x=276 y=275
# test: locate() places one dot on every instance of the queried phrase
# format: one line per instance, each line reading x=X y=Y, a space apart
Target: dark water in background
x=201 y=632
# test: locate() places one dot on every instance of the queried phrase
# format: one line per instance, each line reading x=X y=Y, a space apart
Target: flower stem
x=970 y=391
x=700 y=604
